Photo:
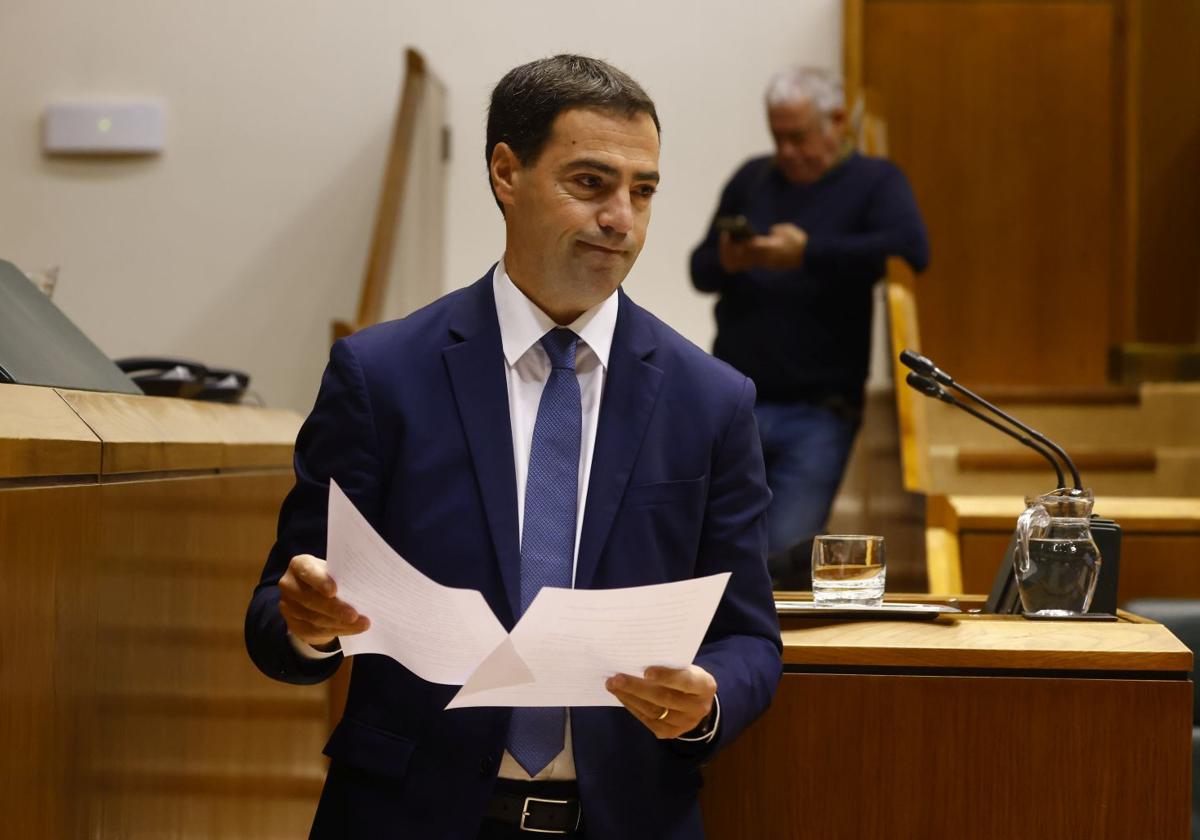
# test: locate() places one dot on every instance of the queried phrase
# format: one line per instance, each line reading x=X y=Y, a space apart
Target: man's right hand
x=309 y=604
x=736 y=257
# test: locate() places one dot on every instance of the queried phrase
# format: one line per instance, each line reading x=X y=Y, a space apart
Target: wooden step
x=977 y=460
x=1045 y=395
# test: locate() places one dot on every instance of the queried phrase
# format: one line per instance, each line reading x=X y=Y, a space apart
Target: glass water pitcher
x=1056 y=560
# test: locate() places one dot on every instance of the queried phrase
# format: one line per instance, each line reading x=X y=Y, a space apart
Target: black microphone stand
x=925 y=377
x=925 y=367
x=931 y=389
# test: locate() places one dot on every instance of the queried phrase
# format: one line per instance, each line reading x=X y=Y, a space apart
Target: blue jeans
x=805 y=447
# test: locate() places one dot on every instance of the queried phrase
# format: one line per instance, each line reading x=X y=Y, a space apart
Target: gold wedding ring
x=664 y=714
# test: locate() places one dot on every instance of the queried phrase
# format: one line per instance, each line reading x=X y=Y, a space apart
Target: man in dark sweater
x=794 y=299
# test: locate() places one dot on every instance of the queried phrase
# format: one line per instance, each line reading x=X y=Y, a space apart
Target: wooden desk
x=132 y=531
x=976 y=726
x=1160 y=543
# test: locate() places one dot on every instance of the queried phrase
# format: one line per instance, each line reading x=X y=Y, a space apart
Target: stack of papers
x=561 y=652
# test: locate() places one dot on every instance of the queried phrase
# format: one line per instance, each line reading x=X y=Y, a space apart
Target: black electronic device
x=39 y=345
x=165 y=377
x=927 y=378
x=168 y=376
x=221 y=385
x=738 y=228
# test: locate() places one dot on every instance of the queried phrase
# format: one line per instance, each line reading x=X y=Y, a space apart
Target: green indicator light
x=105 y=125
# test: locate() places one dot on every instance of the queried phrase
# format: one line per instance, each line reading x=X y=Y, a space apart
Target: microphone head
x=924 y=366
x=927 y=387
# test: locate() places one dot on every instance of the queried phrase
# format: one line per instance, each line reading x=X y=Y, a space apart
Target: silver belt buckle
x=525 y=814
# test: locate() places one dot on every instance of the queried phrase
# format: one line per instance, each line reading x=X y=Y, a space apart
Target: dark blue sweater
x=805 y=334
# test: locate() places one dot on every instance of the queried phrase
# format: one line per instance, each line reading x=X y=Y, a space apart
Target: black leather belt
x=550 y=808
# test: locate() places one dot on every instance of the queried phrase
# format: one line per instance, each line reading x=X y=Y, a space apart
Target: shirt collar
x=522 y=323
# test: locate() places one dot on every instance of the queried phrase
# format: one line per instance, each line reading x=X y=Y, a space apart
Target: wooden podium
x=132 y=532
x=972 y=726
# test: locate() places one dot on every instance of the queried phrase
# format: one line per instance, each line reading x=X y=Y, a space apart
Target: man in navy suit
x=534 y=428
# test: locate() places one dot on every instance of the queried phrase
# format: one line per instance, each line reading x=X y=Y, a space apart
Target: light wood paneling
x=254 y=437
x=1002 y=115
x=990 y=758
x=1165 y=114
x=148 y=434
x=1136 y=515
x=181 y=711
x=852 y=47
x=911 y=407
x=156 y=434
x=41 y=436
x=1160 y=542
x=128 y=705
x=985 y=642
x=47 y=657
x=1016 y=457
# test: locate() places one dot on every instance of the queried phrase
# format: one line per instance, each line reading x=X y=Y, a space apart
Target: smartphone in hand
x=738 y=227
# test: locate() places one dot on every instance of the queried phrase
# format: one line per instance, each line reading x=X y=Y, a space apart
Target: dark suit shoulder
x=424 y=333
x=430 y=320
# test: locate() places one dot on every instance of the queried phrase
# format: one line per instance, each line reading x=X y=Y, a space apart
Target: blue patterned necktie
x=535 y=735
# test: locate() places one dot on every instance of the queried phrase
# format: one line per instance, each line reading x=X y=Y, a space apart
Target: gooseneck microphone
x=931 y=389
x=929 y=371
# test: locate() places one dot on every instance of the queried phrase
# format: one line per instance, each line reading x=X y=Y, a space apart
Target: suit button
x=485 y=766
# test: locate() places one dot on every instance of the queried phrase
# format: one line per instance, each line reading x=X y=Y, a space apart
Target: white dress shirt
x=522 y=325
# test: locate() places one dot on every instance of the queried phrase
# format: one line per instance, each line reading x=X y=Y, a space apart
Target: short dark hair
x=527 y=100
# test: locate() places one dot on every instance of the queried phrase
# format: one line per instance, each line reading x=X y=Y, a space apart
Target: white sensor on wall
x=104 y=128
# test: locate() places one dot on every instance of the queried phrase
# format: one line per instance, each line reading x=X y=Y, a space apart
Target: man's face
x=576 y=218
x=806 y=143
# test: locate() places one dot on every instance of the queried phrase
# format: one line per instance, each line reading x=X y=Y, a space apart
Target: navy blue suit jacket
x=412 y=421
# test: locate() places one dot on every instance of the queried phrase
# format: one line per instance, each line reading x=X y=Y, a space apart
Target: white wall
x=240 y=243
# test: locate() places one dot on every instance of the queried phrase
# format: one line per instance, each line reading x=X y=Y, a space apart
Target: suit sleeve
x=742 y=649
x=339 y=441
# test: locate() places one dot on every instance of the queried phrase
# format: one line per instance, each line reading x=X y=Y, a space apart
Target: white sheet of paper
x=439 y=633
x=561 y=652
x=572 y=640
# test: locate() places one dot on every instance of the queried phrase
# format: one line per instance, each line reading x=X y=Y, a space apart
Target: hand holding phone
x=738 y=228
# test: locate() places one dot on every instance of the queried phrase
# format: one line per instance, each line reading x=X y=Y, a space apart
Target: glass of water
x=848 y=570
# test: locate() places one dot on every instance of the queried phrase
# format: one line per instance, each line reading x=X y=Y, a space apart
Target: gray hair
x=806 y=84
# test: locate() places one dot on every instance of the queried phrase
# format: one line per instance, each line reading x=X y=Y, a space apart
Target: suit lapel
x=630 y=392
x=475 y=364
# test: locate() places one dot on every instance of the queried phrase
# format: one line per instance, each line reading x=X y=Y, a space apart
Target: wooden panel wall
x=128 y=705
x=44 y=724
x=1002 y=114
x=1152 y=565
x=1165 y=118
x=990 y=758
x=191 y=738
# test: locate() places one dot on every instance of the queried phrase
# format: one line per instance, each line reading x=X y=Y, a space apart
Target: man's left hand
x=782 y=248
x=685 y=694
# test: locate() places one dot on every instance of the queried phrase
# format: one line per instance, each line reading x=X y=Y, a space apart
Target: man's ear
x=505 y=170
